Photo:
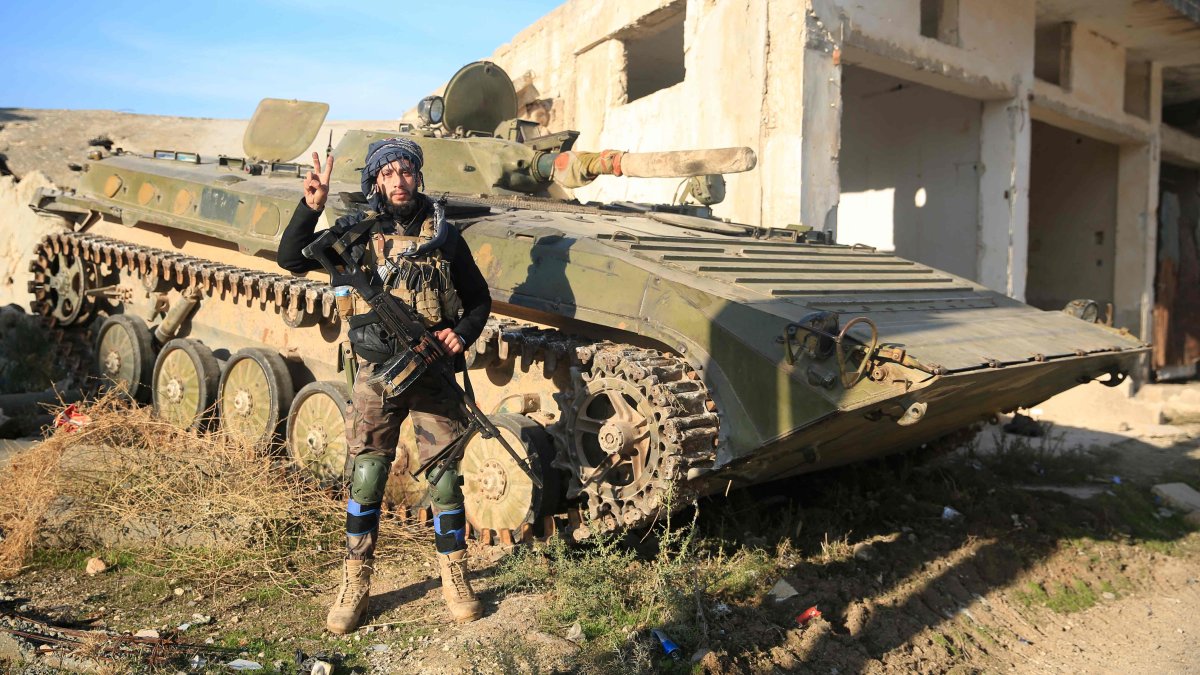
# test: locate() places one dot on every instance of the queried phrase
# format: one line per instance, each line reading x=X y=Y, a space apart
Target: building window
x=939 y=20
x=1138 y=77
x=1052 y=53
x=654 y=52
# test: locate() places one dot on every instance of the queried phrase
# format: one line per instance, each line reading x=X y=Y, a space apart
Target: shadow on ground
x=14 y=115
x=894 y=576
x=917 y=562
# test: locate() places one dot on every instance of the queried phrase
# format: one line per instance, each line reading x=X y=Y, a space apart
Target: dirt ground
x=1061 y=561
x=1054 y=555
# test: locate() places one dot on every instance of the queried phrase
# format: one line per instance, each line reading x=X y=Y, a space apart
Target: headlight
x=430 y=110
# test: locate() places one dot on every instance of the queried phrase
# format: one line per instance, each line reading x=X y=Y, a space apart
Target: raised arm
x=299 y=232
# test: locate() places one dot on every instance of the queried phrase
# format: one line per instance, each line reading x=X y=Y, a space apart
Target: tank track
x=296 y=298
x=681 y=415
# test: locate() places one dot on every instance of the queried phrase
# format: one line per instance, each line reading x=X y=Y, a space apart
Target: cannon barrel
x=576 y=169
x=682 y=163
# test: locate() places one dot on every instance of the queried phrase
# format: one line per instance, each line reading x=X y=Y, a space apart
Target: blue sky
x=368 y=60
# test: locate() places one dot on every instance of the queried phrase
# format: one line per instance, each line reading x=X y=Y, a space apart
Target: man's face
x=398 y=182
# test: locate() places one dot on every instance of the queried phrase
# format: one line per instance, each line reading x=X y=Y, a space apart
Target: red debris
x=71 y=418
x=808 y=615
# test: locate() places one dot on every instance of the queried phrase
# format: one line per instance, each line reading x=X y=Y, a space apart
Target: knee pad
x=446 y=494
x=368 y=478
x=367 y=481
x=450 y=531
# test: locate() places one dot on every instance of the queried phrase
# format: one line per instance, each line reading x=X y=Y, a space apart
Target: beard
x=406 y=211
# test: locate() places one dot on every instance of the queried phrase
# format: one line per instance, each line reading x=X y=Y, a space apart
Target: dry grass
x=30 y=484
x=214 y=507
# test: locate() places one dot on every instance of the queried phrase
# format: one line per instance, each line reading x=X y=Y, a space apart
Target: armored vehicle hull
x=637 y=355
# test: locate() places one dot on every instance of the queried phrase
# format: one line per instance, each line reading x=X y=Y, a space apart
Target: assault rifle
x=417 y=352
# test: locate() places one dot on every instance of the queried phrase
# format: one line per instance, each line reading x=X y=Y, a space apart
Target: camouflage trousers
x=373 y=427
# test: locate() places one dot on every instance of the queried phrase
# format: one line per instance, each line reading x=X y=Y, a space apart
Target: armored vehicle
x=638 y=355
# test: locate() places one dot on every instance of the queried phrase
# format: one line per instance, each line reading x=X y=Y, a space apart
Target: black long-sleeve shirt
x=468 y=281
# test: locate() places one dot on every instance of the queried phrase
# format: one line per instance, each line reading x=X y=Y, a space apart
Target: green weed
x=1074 y=598
x=59 y=559
x=746 y=573
x=1040 y=460
x=1033 y=595
x=1136 y=514
x=1062 y=599
x=617 y=595
x=254 y=645
x=76 y=559
x=944 y=642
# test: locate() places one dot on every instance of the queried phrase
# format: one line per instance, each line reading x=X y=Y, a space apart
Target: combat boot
x=460 y=599
x=351 y=602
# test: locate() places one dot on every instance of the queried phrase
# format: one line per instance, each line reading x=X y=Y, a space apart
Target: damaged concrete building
x=1048 y=149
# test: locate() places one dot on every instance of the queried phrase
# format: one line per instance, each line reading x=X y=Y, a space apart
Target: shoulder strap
x=441 y=233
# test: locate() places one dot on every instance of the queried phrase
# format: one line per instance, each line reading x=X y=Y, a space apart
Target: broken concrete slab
x=1076 y=491
x=1162 y=431
x=1180 y=496
x=782 y=590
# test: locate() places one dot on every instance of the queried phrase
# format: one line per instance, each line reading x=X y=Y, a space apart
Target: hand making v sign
x=316 y=183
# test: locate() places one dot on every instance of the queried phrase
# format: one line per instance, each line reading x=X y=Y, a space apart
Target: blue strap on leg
x=361 y=519
x=450 y=531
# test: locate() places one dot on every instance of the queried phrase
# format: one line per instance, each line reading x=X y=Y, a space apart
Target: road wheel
x=255 y=393
x=316 y=430
x=501 y=498
x=186 y=376
x=125 y=355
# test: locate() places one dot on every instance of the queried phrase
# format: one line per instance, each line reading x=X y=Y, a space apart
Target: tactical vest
x=422 y=282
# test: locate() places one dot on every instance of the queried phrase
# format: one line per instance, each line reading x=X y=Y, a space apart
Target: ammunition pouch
x=370 y=339
x=398 y=373
x=397 y=366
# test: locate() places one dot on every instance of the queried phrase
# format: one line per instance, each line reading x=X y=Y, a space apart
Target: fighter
x=420 y=258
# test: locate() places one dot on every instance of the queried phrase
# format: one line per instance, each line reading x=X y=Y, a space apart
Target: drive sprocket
x=60 y=284
x=641 y=419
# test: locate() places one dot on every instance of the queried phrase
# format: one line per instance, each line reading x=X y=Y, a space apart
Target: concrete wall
x=990 y=54
x=1072 y=218
x=919 y=146
x=575 y=59
x=1097 y=75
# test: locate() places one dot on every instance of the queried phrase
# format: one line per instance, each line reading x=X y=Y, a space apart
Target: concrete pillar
x=1137 y=223
x=1005 y=140
x=801 y=115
